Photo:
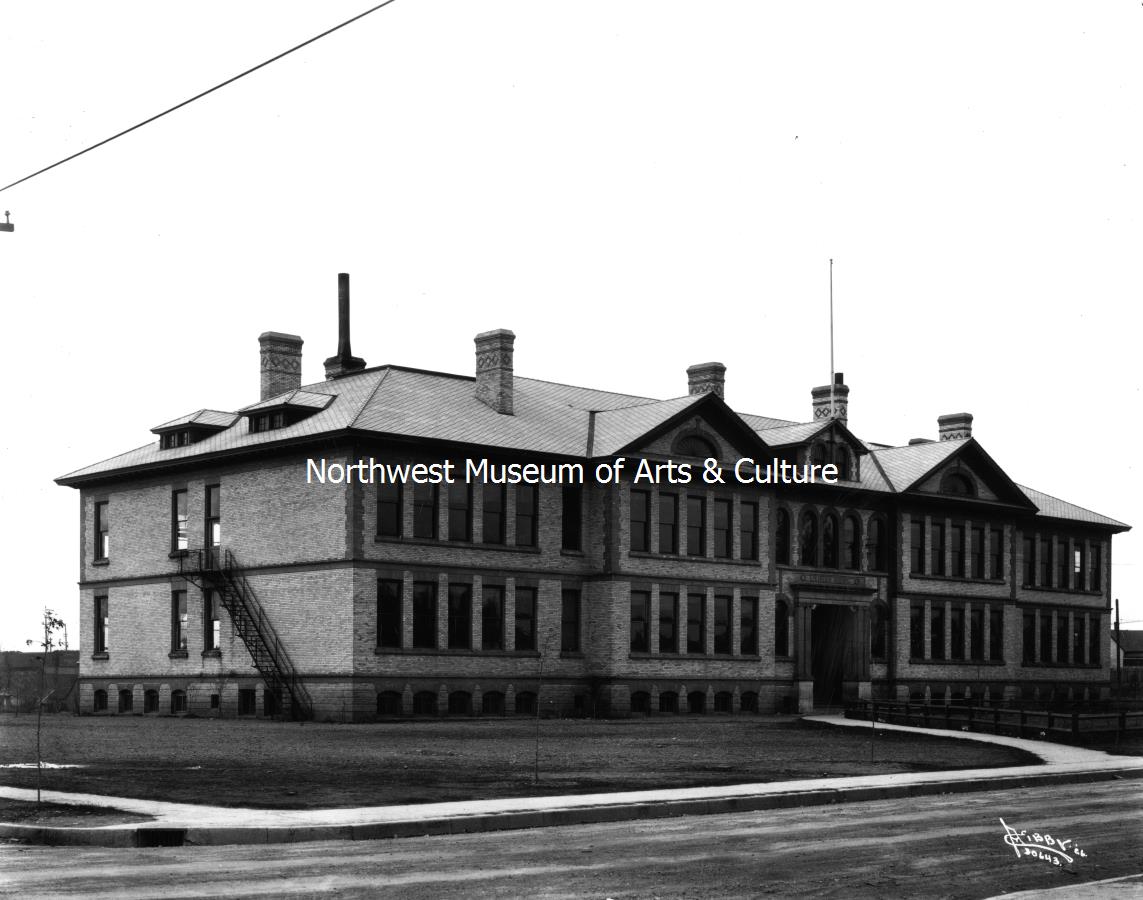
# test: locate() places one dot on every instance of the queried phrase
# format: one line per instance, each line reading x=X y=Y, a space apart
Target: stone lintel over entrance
x=831 y=641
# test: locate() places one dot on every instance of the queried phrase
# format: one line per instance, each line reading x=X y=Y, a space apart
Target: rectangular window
x=956 y=624
x=573 y=517
x=425 y=500
x=102 y=625
x=525 y=618
x=722 y=514
x=211 y=625
x=425 y=614
x=1061 y=638
x=1029 y=561
x=493 y=516
x=956 y=555
x=640 y=612
x=1079 y=569
x=976 y=633
x=748 y=529
x=917 y=631
x=527 y=514
x=1093 y=641
x=996 y=634
x=389 y=597
x=696 y=525
x=1097 y=567
x=1079 y=639
x=937 y=561
x=178 y=620
x=640 y=521
x=459 y=616
x=668 y=623
x=978 y=558
x=460 y=512
x=492 y=617
x=569 y=621
x=1029 y=638
x=390 y=510
x=937 y=631
x=213 y=534
x=748 y=626
x=1045 y=637
x=722 y=624
x=1045 y=561
x=917 y=545
x=102 y=531
x=668 y=523
x=696 y=623
x=179 y=531
x=996 y=553
x=1063 y=564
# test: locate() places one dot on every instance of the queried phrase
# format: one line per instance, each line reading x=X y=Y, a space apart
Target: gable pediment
x=704 y=427
x=969 y=473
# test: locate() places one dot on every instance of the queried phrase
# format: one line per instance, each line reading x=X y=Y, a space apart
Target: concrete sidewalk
x=179 y=823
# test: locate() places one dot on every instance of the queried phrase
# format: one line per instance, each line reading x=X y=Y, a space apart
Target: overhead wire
x=198 y=96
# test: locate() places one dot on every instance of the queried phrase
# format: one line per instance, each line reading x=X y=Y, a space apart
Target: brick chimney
x=821 y=397
x=281 y=359
x=955 y=426
x=706 y=378
x=494 y=369
x=345 y=363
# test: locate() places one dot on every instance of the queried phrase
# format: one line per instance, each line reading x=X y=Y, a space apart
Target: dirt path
x=948 y=846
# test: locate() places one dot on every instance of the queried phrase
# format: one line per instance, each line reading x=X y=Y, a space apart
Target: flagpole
x=832 y=407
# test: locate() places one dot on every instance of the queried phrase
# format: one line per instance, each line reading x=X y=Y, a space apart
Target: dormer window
x=281 y=412
x=180 y=438
x=190 y=429
x=268 y=421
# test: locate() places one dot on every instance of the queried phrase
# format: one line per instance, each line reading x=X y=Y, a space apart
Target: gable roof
x=550 y=418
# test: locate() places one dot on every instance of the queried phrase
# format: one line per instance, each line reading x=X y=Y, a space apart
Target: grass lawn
x=28 y=812
x=291 y=766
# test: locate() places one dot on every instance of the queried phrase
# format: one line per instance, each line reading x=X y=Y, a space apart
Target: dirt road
x=947 y=846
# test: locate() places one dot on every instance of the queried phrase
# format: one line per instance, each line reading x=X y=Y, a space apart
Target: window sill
x=722 y=560
x=958 y=579
x=102 y=655
x=914 y=661
x=177 y=654
x=212 y=654
x=571 y=654
x=1060 y=665
x=446 y=544
x=728 y=657
x=434 y=651
x=178 y=554
x=564 y=551
x=1086 y=592
x=101 y=562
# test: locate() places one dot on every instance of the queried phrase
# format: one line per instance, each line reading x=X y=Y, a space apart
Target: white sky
x=632 y=187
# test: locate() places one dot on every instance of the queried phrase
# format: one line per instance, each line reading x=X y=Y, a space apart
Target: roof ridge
x=365 y=403
x=580 y=387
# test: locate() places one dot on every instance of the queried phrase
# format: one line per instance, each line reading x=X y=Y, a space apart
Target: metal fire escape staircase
x=216 y=569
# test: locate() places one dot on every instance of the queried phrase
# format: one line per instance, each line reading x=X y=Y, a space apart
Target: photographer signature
x=1041 y=846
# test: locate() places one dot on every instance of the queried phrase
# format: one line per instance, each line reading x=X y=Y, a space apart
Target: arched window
x=781 y=628
x=640 y=703
x=723 y=702
x=829 y=541
x=748 y=702
x=808 y=539
x=782 y=539
x=841 y=460
x=460 y=703
x=668 y=702
x=818 y=454
x=178 y=702
x=879 y=630
x=958 y=484
x=695 y=445
x=492 y=703
x=388 y=703
x=99 y=703
x=525 y=703
x=696 y=702
x=875 y=547
x=425 y=703
x=851 y=542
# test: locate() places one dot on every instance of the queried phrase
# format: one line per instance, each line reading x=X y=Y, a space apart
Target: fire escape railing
x=216 y=569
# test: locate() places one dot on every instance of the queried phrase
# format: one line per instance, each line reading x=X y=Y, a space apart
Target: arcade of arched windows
x=828 y=538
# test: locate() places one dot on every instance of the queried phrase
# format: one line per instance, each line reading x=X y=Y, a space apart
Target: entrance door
x=828 y=629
